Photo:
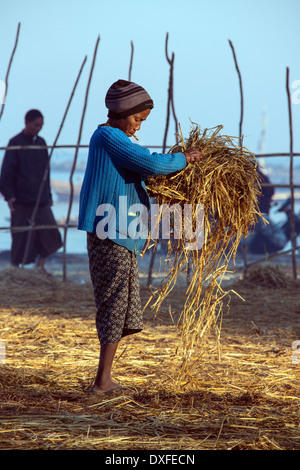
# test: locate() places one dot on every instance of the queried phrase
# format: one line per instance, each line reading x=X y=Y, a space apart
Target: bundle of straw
x=268 y=276
x=227 y=184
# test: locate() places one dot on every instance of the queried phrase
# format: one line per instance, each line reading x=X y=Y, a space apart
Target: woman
x=112 y=185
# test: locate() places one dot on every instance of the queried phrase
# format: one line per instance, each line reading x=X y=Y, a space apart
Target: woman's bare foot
x=103 y=382
x=106 y=387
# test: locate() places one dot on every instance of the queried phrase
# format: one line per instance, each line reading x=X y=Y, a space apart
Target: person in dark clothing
x=266 y=238
x=267 y=193
x=22 y=173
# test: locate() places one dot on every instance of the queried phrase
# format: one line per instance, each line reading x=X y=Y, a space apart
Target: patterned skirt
x=115 y=279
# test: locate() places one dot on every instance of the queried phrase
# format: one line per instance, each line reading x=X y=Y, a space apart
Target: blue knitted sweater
x=117 y=167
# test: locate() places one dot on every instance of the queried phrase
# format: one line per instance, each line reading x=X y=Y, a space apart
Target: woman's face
x=132 y=123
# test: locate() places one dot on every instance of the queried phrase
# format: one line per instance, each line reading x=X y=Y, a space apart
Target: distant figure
x=267 y=193
x=266 y=238
x=286 y=207
x=20 y=181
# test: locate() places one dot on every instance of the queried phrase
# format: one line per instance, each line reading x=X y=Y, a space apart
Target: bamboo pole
x=9 y=67
x=38 y=147
x=293 y=235
x=75 y=159
x=46 y=173
x=263 y=155
x=24 y=228
x=275 y=255
x=31 y=147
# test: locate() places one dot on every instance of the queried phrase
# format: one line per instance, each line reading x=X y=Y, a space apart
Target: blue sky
x=55 y=36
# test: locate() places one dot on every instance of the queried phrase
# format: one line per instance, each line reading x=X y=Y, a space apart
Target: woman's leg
x=118 y=307
x=103 y=381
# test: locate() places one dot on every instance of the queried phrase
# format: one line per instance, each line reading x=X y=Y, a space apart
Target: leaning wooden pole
x=291 y=175
x=46 y=172
x=9 y=67
x=75 y=160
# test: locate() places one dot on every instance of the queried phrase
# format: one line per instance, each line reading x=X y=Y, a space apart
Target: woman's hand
x=193 y=155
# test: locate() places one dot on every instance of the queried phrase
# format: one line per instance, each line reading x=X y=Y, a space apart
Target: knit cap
x=125 y=98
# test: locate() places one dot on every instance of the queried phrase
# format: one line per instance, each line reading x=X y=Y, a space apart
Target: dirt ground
x=241 y=392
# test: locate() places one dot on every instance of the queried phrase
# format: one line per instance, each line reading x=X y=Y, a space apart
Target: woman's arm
x=136 y=158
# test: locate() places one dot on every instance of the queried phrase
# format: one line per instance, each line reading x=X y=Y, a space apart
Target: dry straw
x=227 y=184
x=246 y=399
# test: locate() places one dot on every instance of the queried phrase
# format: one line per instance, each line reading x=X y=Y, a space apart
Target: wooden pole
x=65 y=146
x=293 y=234
x=75 y=159
x=240 y=134
x=46 y=173
x=170 y=101
x=241 y=93
x=9 y=66
x=275 y=255
x=170 y=106
x=131 y=61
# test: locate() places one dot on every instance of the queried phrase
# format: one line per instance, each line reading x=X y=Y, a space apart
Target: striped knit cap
x=126 y=98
